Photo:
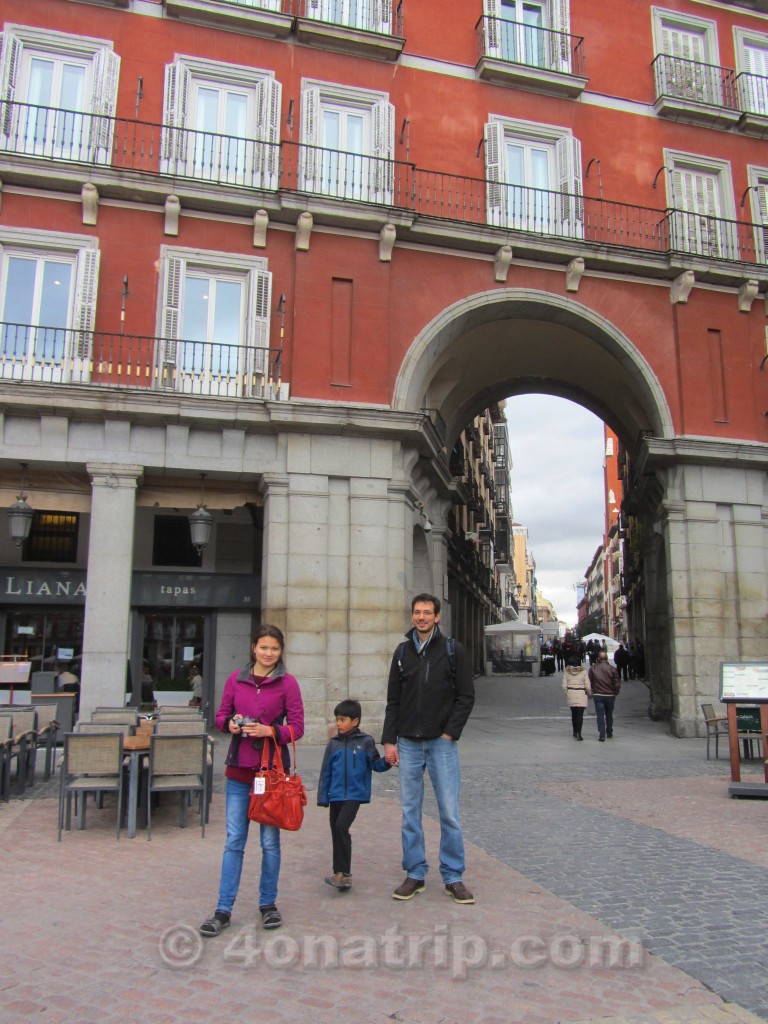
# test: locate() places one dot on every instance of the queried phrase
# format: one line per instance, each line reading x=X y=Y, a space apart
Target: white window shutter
x=10 y=62
x=175 y=268
x=492 y=28
x=568 y=155
x=383 y=147
x=259 y=305
x=761 y=205
x=176 y=98
x=495 y=173
x=106 y=71
x=380 y=16
x=268 y=100
x=561 y=40
x=84 y=308
x=310 y=136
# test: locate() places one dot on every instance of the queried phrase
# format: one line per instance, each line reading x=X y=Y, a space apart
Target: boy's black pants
x=342 y=814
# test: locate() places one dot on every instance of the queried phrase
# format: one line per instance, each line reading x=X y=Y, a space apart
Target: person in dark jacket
x=430 y=696
x=604 y=680
x=345 y=782
x=261 y=700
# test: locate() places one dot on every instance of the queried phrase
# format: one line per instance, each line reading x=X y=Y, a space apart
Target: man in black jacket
x=429 y=699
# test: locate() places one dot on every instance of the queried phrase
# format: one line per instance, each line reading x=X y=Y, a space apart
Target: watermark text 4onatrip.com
x=442 y=949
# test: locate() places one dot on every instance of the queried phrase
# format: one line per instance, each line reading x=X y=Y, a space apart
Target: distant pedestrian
x=621 y=661
x=345 y=783
x=577 y=693
x=604 y=680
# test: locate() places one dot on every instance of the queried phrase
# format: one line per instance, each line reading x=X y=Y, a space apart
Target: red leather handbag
x=277 y=798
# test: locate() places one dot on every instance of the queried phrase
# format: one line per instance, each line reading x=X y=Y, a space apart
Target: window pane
x=226 y=319
x=19 y=290
x=196 y=295
x=40 y=81
x=236 y=115
x=207 y=110
x=331 y=129
x=72 y=87
x=50 y=345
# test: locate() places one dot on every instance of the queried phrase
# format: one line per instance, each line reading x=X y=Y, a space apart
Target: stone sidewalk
x=614 y=882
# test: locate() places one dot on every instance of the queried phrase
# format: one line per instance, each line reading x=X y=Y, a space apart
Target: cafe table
x=136 y=747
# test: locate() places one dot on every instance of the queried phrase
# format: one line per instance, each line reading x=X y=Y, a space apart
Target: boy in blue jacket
x=345 y=783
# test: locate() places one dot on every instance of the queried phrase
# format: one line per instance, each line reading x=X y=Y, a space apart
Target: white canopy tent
x=611 y=644
x=512 y=649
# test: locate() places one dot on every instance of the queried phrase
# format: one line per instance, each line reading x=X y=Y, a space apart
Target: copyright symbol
x=180 y=946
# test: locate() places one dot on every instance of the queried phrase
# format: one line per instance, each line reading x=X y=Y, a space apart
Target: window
x=348 y=141
x=172 y=543
x=752 y=60
x=52 y=537
x=758 y=180
x=370 y=15
x=222 y=123
x=687 y=58
x=214 y=325
x=532 y=32
x=701 y=198
x=59 y=94
x=47 y=305
x=534 y=178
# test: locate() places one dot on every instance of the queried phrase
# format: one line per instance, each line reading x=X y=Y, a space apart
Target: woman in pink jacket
x=260 y=700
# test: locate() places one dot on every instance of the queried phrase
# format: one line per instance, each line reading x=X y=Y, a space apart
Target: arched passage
x=512 y=341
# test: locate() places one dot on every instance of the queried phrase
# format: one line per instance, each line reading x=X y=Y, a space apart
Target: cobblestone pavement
x=615 y=882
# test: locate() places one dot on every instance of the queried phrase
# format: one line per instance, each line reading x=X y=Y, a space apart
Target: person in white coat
x=577 y=693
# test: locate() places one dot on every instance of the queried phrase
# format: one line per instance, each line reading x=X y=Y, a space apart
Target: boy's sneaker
x=339 y=880
x=408 y=889
x=459 y=893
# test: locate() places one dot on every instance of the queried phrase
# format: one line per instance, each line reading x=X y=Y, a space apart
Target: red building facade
x=296 y=246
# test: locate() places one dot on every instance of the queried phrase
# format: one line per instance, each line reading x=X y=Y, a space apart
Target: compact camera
x=245 y=720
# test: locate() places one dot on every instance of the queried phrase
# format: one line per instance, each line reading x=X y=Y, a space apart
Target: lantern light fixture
x=20 y=514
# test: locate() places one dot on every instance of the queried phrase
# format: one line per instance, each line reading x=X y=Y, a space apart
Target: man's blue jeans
x=238 y=795
x=604 y=712
x=441 y=759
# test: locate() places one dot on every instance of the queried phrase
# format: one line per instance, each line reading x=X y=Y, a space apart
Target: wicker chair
x=23 y=746
x=178 y=764
x=6 y=740
x=93 y=763
x=47 y=731
x=115 y=716
x=717 y=726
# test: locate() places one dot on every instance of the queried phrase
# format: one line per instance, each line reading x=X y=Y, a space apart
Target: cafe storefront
x=177 y=620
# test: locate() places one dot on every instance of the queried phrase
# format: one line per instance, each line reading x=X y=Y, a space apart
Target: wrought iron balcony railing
x=116 y=149
x=57 y=355
x=384 y=16
x=752 y=93
x=530 y=45
x=696 y=82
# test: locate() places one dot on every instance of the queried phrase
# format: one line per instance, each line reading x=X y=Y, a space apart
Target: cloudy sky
x=557 y=491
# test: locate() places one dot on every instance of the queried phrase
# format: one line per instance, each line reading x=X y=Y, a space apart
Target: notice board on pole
x=745 y=682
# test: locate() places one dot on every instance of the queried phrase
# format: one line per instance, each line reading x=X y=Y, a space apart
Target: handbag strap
x=278 y=760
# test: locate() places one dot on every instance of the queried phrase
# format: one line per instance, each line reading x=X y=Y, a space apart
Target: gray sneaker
x=459 y=893
x=408 y=889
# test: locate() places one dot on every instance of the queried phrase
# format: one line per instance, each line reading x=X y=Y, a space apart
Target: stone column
x=108 y=587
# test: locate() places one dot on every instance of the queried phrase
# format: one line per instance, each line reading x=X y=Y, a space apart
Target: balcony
x=538 y=59
x=353 y=26
x=687 y=90
x=49 y=148
x=752 y=93
x=54 y=355
x=272 y=19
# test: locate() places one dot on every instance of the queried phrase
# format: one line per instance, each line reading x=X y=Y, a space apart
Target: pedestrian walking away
x=430 y=695
x=345 y=782
x=604 y=680
x=577 y=694
x=258 y=701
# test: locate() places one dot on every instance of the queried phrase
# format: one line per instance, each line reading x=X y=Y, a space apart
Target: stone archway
x=702 y=501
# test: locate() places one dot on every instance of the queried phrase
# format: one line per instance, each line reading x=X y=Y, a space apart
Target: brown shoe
x=339 y=880
x=408 y=889
x=459 y=893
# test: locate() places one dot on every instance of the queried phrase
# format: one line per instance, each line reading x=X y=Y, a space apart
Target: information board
x=744 y=681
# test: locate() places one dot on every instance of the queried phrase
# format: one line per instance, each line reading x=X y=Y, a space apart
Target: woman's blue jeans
x=441 y=759
x=238 y=795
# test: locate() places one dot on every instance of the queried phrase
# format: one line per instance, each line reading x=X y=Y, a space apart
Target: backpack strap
x=450 y=647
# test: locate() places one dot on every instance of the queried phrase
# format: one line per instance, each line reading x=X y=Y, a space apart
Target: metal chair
x=177 y=726
x=717 y=726
x=178 y=764
x=93 y=763
x=124 y=728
